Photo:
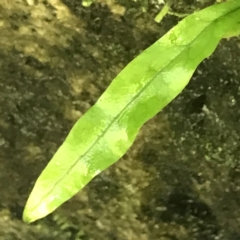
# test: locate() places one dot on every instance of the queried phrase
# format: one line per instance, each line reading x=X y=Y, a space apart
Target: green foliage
x=140 y=91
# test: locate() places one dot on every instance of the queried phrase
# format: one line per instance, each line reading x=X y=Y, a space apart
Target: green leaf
x=139 y=92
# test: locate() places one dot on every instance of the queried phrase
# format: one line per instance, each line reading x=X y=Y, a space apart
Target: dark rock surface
x=179 y=181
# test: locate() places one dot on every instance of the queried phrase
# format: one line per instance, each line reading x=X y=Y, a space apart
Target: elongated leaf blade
x=140 y=91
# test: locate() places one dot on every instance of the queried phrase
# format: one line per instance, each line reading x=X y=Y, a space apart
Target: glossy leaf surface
x=146 y=85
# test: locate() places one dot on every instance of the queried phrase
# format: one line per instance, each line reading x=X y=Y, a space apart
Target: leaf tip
x=33 y=212
x=29 y=216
